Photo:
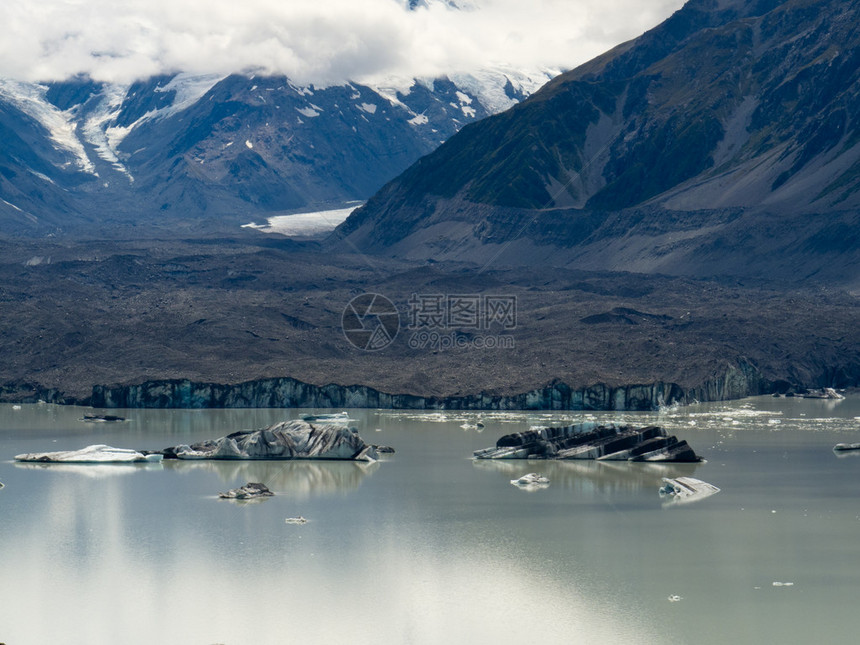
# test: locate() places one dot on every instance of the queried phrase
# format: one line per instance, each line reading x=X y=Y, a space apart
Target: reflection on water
x=428 y=545
x=588 y=477
x=299 y=479
x=93 y=471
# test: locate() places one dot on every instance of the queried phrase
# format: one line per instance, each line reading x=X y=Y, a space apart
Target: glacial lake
x=429 y=546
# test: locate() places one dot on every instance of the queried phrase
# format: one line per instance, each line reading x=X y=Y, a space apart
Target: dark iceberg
x=284 y=440
x=251 y=490
x=592 y=441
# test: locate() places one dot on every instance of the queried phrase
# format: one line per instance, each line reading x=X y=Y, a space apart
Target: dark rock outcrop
x=592 y=441
x=284 y=440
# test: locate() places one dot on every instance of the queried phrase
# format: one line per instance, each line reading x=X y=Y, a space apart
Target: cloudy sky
x=311 y=41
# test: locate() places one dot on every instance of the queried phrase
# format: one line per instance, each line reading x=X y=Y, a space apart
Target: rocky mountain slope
x=724 y=141
x=206 y=151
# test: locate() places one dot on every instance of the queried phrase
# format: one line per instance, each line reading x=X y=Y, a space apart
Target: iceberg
x=532 y=481
x=844 y=447
x=95 y=454
x=684 y=490
x=251 y=490
x=284 y=440
x=592 y=441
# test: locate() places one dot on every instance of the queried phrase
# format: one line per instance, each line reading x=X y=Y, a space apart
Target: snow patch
x=304 y=224
x=369 y=108
x=189 y=89
x=309 y=112
x=465 y=99
x=249 y=145
x=419 y=119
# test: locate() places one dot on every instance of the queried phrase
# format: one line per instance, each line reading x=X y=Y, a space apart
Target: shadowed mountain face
x=207 y=152
x=724 y=141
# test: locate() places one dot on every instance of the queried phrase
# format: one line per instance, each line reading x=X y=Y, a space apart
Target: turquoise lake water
x=429 y=546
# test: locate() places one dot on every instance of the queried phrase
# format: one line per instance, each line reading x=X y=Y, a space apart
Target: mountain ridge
x=739 y=110
x=215 y=151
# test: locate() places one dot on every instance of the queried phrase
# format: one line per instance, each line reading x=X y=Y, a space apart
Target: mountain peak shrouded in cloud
x=328 y=41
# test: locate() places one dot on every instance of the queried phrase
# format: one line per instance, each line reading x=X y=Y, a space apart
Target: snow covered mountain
x=208 y=151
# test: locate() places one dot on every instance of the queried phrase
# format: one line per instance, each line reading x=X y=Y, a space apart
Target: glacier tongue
x=96 y=128
x=30 y=99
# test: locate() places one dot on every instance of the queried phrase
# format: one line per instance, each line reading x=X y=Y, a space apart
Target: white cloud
x=317 y=41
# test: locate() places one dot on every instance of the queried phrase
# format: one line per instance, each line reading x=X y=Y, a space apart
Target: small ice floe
x=675 y=598
x=532 y=481
x=1 y=484
x=296 y=520
x=783 y=584
x=16 y=407
x=101 y=418
x=845 y=447
x=685 y=490
x=338 y=417
x=251 y=490
x=95 y=454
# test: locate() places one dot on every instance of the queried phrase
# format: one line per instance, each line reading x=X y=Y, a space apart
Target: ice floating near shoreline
x=95 y=454
x=339 y=417
x=296 y=520
x=685 y=490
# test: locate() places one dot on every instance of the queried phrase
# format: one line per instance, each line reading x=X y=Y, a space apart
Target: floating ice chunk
x=675 y=598
x=532 y=481
x=296 y=520
x=251 y=490
x=846 y=446
x=684 y=490
x=95 y=454
x=783 y=584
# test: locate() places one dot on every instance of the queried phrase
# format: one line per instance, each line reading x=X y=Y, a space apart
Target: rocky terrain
x=236 y=311
x=675 y=220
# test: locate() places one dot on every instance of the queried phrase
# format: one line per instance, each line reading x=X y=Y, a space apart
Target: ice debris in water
x=675 y=598
x=531 y=481
x=783 y=584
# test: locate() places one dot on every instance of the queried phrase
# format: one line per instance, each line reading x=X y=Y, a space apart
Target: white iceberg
x=532 y=481
x=685 y=490
x=95 y=454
